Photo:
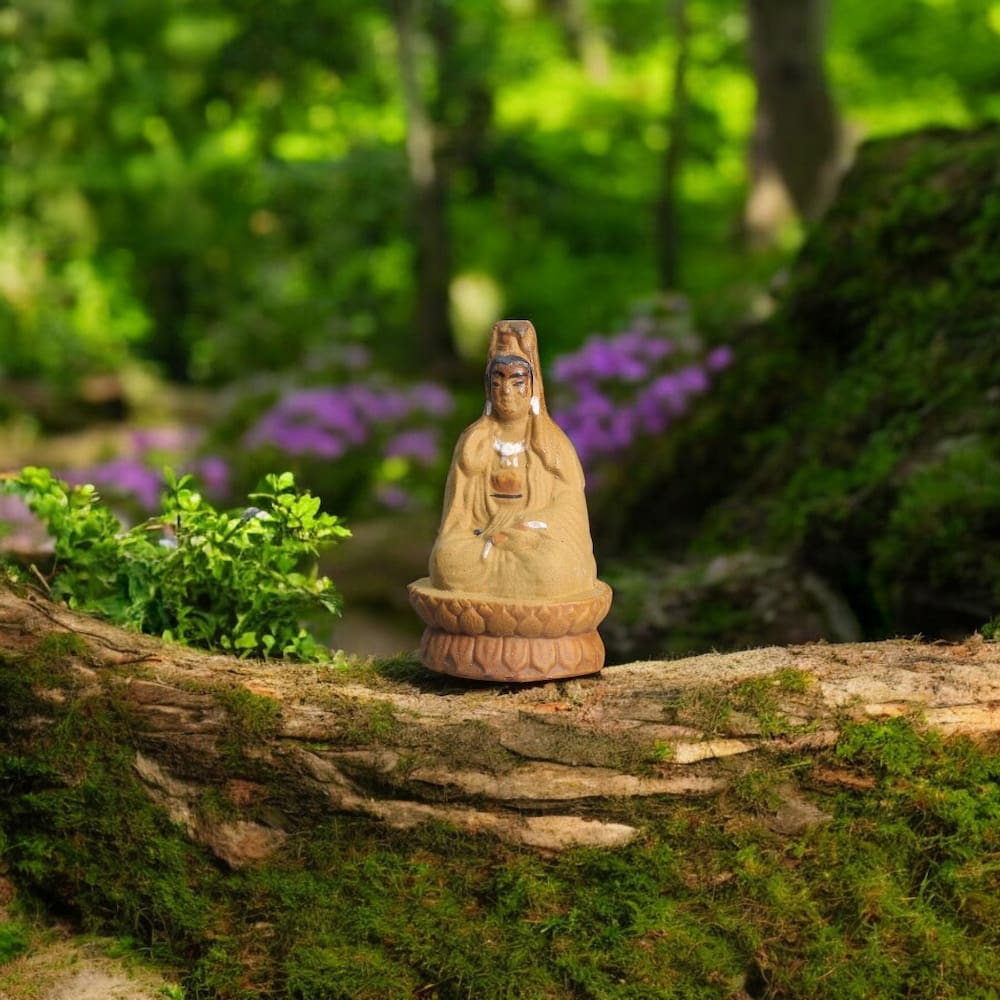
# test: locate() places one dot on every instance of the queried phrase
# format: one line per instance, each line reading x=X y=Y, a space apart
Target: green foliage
x=286 y=160
x=232 y=580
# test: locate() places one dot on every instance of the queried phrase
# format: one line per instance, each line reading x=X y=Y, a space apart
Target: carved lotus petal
x=502 y=622
x=512 y=658
x=470 y=622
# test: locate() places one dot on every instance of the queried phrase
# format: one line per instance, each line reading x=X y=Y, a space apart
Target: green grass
x=14 y=940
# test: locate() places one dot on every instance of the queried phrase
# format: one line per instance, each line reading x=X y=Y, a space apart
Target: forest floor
x=59 y=963
x=79 y=969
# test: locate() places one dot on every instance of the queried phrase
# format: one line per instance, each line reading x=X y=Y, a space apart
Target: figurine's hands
x=528 y=533
x=501 y=530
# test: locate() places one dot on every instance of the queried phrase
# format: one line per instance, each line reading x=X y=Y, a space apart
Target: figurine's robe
x=547 y=552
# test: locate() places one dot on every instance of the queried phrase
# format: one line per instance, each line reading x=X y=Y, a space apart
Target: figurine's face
x=510 y=389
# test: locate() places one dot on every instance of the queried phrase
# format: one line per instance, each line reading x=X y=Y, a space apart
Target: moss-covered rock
x=860 y=432
x=888 y=476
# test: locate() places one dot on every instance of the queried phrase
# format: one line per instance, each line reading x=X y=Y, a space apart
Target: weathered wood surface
x=570 y=762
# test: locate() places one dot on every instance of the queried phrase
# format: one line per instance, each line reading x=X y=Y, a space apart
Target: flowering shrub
x=134 y=479
x=18 y=526
x=619 y=390
x=362 y=440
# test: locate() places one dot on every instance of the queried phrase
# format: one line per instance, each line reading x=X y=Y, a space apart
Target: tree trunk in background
x=668 y=237
x=795 y=150
x=429 y=188
x=583 y=38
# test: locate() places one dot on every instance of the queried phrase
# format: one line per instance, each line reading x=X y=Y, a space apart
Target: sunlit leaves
x=236 y=580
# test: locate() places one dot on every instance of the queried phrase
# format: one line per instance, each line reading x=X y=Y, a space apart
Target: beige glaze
x=514 y=533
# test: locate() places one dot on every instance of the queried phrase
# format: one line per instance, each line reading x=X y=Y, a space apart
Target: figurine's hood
x=517 y=337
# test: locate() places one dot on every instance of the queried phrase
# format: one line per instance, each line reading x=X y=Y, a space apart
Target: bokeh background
x=247 y=237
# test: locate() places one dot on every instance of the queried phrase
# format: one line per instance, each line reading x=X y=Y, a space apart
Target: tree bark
x=796 y=147
x=546 y=766
x=583 y=38
x=429 y=193
x=668 y=236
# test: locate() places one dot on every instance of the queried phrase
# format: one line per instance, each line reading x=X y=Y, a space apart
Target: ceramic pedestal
x=512 y=640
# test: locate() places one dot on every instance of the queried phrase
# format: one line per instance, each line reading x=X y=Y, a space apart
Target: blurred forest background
x=244 y=237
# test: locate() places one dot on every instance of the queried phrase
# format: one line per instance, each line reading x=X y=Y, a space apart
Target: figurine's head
x=509 y=381
x=513 y=382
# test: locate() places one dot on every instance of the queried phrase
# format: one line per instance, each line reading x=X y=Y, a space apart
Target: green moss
x=59 y=645
x=84 y=837
x=362 y=722
x=863 y=435
x=754 y=705
x=898 y=895
x=331 y=971
x=373 y=725
x=253 y=718
x=756 y=790
x=14 y=939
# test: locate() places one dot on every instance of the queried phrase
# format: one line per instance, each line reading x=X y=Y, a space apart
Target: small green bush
x=237 y=581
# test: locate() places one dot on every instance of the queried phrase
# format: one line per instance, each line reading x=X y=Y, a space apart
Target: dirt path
x=62 y=967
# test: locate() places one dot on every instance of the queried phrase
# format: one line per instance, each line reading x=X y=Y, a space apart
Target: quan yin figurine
x=513 y=593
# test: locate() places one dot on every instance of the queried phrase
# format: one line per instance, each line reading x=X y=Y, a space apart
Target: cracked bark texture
x=549 y=766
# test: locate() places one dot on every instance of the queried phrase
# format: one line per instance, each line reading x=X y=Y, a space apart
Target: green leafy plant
x=239 y=581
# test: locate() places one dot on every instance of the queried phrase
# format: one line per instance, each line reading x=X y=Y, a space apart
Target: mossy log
x=243 y=753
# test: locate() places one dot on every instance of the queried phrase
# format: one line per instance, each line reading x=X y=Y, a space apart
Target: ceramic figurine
x=513 y=593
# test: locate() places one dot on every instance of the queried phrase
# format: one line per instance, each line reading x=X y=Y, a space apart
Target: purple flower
x=719 y=358
x=653 y=414
x=631 y=341
x=394 y=497
x=618 y=389
x=165 y=439
x=303 y=439
x=125 y=477
x=693 y=379
x=668 y=393
x=378 y=405
x=594 y=402
x=421 y=445
x=20 y=530
x=330 y=409
x=432 y=399
x=213 y=472
x=566 y=368
x=14 y=510
x=657 y=348
x=620 y=429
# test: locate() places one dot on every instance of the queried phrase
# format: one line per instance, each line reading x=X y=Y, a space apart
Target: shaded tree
x=667 y=209
x=795 y=149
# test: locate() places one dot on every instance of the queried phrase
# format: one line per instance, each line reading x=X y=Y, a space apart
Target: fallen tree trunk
x=548 y=766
